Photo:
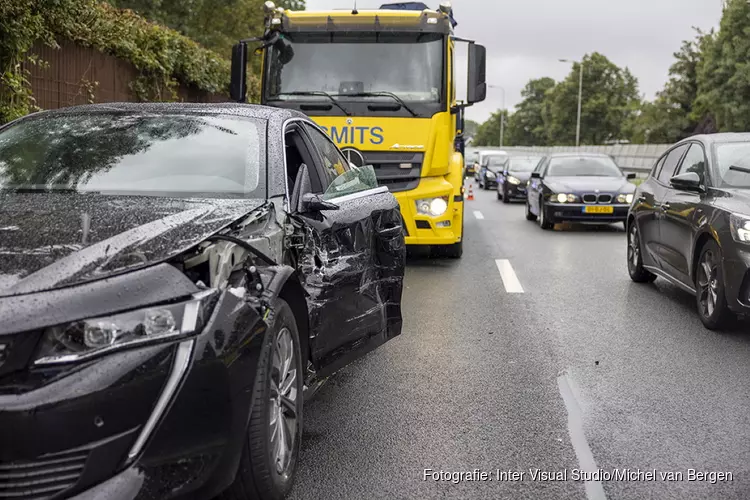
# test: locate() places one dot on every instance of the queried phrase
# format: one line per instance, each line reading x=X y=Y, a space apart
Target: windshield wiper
x=740 y=169
x=385 y=94
x=320 y=93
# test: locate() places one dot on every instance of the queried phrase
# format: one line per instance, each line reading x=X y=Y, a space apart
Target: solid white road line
x=478 y=215
x=594 y=489
x=510 y=280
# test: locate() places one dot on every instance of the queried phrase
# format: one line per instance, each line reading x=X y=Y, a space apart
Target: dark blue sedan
x=578 y=187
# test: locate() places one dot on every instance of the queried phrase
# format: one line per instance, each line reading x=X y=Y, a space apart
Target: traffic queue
x=687 y=222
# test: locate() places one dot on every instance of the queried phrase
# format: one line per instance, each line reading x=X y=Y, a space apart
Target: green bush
x=163 y=57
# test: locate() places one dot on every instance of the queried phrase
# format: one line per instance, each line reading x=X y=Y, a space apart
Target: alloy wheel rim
x=634 y=248
x=283 y=400
x=708 y=284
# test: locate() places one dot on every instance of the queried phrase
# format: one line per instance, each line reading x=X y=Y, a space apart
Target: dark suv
x=690 y=224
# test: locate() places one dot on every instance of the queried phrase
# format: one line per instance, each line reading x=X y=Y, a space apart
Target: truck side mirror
x=238 y=84
x=477 y=86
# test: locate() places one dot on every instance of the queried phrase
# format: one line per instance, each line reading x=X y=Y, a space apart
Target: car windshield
x=496 y=163
x=137 y=154
x=345 y=64
x=523 y=164
x=583 y=166
x=733 y=162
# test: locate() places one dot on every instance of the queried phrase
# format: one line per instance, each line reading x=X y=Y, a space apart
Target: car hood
x=50 y=240
x=734 y=200
x=589 y=184
x=521 y=176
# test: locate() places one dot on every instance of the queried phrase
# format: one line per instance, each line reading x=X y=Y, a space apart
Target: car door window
x=333 y=162
x=657 y=167
x=670 y=164
x=695 y=161
x=339 y=178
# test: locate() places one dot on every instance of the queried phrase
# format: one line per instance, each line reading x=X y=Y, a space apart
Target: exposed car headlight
x=514 y=180
x=432 y=206
x=563 y=198
x=740 y=227
x=88 y=338
x=490 y=174
x=625 y=198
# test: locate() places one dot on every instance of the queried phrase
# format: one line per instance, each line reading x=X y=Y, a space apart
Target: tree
x=670 y=117
x=610 y=97
x=470 y=128
x=526 y=125
x=724 y=72
x=215 y=24
x=488 y=133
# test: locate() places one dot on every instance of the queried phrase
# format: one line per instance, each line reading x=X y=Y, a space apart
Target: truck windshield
x=348 y=66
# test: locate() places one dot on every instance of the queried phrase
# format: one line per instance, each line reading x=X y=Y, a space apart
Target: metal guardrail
x=638 y=158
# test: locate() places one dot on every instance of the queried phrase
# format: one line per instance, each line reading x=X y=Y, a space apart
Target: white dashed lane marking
x=510 y=280
x=478 y=215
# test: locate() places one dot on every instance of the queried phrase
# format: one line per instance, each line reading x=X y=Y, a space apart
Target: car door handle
x=665 y=206
x=642 y=198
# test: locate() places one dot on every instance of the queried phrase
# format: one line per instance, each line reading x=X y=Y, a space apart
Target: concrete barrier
x=638 y=158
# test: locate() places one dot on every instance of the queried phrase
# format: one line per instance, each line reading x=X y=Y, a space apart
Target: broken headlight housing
x=92 y=337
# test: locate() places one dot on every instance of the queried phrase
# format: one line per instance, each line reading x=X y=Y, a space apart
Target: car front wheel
x=635 y=258
x=709 y=284
x=272 y=441
x=529 y=215
x=505 y=195
x=545 y=221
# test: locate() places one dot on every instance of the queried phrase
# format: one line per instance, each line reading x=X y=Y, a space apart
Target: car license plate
x=598 y=210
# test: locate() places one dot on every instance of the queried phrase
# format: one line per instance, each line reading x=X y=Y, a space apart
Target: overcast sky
x=525 y=38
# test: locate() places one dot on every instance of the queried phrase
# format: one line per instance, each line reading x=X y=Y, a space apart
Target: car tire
x=529 y=215
x=499 y=197
x=709 y=285
x=505 y=196
x=637 y=272
x=264 y=473
x=545 y=221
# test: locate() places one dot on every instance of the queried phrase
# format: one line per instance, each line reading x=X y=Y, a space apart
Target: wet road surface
x=535 y=351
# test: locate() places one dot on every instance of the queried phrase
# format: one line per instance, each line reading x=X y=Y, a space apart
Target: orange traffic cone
x=471 y=192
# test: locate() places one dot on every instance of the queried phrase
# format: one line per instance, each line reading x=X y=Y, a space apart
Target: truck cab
x=381 y=83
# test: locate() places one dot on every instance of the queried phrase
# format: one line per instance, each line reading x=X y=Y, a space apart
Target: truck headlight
x=563 y=198
x=434 y=207
x=740 y=227
x=514 y=180
x=625 y=198
x=88 y=338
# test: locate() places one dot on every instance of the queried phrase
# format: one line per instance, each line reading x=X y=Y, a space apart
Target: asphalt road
x=582 y=370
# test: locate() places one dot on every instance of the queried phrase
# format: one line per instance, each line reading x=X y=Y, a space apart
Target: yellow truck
x=382 y=84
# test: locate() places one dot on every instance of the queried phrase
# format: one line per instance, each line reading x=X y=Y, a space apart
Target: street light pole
x=580 y=98
x=502 y=114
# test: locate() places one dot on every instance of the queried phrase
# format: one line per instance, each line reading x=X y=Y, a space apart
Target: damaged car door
x=352 y=257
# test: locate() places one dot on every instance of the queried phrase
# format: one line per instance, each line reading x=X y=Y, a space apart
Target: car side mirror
x=631 y=176
x=536 y=175
x=312 y=202
x=689 y=181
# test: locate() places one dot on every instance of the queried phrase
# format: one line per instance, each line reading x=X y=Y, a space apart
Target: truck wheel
x=272 y=441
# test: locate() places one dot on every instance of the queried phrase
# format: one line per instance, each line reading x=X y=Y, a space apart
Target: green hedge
x=164 y=57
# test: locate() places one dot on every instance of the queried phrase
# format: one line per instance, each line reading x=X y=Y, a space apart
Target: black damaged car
x=173 y=280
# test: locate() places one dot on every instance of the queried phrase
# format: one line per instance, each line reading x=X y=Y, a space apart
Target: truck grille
x=43 y=478
x=388 y=169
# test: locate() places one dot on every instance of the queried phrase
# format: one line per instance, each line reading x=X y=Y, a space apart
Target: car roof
x=577 y=155
x=225 y=108
x=719 y=137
